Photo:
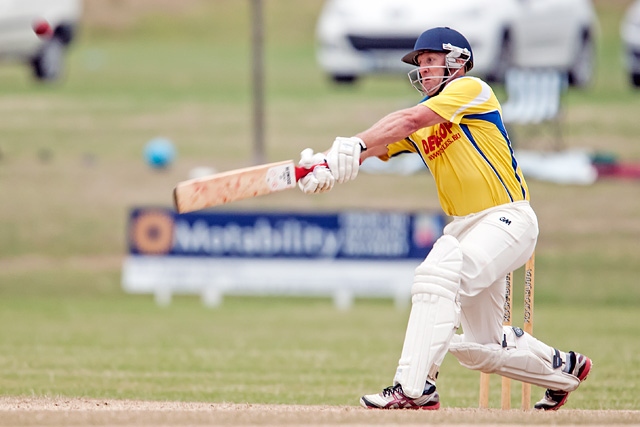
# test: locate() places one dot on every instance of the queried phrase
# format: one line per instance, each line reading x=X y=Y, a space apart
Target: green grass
x=265 y=350
x=71 y=167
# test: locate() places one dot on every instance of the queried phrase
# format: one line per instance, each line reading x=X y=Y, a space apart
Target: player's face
x=432 y=70
x=431 y=59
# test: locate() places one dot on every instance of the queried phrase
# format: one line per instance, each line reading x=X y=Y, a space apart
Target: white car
x=360 y=37
x=19 y=42
x=631 y=39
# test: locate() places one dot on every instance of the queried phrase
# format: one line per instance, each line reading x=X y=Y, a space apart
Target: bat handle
x=301 y=171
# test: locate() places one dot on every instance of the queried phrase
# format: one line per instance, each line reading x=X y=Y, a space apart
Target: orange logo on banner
x=152 y=232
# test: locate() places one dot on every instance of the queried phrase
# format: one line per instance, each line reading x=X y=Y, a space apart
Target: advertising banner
x=293 y=253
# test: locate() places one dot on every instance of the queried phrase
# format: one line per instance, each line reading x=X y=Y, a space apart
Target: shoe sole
x=582 y=377
x=366 y=405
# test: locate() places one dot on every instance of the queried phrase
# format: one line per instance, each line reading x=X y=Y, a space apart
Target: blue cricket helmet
x=439 y=39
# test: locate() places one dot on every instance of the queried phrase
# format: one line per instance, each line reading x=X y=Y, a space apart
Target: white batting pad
x=434 y=317
x=523 y=359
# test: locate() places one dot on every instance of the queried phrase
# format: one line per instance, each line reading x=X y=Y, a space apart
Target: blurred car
x=18 y=41
x=631 y=38
x=360 y=37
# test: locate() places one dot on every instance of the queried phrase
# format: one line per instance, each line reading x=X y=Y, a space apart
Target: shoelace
x=392 y=389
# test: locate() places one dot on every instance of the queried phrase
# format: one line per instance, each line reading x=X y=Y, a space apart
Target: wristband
x=363 y=146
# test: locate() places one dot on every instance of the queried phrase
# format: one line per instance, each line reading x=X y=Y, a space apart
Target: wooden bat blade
x=238 y=184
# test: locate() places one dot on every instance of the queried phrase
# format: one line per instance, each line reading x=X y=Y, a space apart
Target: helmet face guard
x=456 y=59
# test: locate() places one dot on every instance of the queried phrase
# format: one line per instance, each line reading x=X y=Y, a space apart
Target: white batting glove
x=344 y=158
x=318 y=181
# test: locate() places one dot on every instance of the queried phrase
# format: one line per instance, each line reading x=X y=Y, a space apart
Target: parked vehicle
x=362 y=37
x=45 y=54
x=631 y=38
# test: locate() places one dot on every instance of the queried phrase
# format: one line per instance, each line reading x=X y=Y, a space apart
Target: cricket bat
x=225 y=187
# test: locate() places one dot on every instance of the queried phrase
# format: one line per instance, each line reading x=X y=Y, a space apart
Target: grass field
x=71 y=166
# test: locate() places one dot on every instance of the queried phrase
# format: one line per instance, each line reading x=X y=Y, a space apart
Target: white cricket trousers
x=493 y=242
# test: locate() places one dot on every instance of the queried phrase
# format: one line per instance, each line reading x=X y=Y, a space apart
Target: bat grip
x=301 y=171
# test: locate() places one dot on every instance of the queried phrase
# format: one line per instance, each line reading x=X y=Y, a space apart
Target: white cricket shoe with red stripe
x=393 y=397
x=554 y=399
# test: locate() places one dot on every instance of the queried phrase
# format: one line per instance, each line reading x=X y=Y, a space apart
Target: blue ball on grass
x=159 y=153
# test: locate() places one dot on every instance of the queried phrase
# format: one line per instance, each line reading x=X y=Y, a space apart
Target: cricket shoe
x=554 y=399
x=393 y=397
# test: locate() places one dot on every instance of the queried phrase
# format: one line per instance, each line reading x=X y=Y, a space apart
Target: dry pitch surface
x=28 y=411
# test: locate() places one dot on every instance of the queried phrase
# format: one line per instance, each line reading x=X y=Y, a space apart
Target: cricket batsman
x=458 y=131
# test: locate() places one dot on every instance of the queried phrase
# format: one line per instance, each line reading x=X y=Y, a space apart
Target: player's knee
x=479 y=357
x=486 y=358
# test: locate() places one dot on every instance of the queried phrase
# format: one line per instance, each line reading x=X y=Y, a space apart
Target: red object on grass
x=42 y=28
x=619 y=170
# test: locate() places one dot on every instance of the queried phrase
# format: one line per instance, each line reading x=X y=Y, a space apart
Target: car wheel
x=344 y=78
x=503 y=60
x=581 y=71
x=49 y=62
x=635 y=79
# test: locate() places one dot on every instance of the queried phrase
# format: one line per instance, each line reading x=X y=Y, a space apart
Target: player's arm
x=377 y=151
x=345 y=155
x=398 y=125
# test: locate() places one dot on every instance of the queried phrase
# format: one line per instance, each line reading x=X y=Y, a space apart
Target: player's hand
x=318 y=181
x=344 y=158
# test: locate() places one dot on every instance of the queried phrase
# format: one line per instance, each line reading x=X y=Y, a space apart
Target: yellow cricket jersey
x=470 y=156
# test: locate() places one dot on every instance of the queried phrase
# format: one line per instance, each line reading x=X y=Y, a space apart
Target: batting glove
x=320 y=179
x=344 y=158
